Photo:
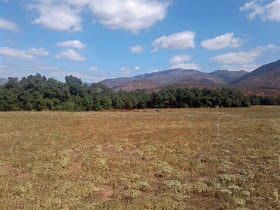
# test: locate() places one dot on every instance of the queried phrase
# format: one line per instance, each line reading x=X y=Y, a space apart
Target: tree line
x=41 y=93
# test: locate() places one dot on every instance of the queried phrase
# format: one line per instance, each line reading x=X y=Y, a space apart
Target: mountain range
x=176 y=76
x=263 y=81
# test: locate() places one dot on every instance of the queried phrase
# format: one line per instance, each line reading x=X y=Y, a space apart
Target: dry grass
x=175 y=159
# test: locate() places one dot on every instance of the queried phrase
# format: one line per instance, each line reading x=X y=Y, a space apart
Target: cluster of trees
x=39 y=93
x=264 y=100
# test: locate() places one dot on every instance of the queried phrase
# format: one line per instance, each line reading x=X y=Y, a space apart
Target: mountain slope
x=139 y=85
x=263 y=81
x=268 y=70
x=117 y=82
x=228 y=76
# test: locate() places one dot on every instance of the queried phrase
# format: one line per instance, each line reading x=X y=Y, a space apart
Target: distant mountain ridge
x=173 y=77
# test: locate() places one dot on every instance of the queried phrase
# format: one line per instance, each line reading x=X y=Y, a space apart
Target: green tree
x=75 y=85
x=106 y=102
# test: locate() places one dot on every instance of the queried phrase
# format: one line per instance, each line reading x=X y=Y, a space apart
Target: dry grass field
x=140 y=159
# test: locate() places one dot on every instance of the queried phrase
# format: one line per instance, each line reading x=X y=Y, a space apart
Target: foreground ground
x=174 y=159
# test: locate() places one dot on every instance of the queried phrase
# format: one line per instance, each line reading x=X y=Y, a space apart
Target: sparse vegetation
x=141 y=159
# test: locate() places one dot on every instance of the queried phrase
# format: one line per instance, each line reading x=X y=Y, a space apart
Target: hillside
x=116 y=83
x=194 y=84
x=228 y=76
x=263 y=81
x=268 y=70
x=139 y=85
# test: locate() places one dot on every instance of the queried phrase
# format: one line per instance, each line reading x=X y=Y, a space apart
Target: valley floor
x=141 y=159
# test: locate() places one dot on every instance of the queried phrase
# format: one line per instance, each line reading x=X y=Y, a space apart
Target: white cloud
x=137 y=49
x=8 y=25
x=38 y=52
x=238 y=57
x=70 y=54
x=193 y=66
x=79 y=3
x=96 y=71
x=125 y=70
x=256 y=9
x=180 y=59
x=154 y=50
x=238 y=67
x=130 y=15
x=273 y=10
x=154 y=71
x=220 y=42
x=128 y=71
x=181 y=40
x=181 y=62
x=57 y=16
x=269 y=11
x=137 y=68
x=93 y=68
x=236 y=61
x=25 y=55
x=71 y=44
x=242 y=57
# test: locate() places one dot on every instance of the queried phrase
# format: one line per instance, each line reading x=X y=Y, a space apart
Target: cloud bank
x=129 y=15
x=221 y=42
x=269 y=11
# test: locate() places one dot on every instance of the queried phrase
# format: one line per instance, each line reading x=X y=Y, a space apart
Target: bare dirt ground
x=141 y=159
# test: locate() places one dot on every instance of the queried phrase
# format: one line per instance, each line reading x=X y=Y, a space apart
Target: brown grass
x=175 y=159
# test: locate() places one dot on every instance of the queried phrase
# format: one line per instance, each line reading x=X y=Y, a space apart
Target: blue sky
x=95 y=40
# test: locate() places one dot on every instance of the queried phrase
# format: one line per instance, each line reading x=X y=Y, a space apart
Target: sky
x=101 y=39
